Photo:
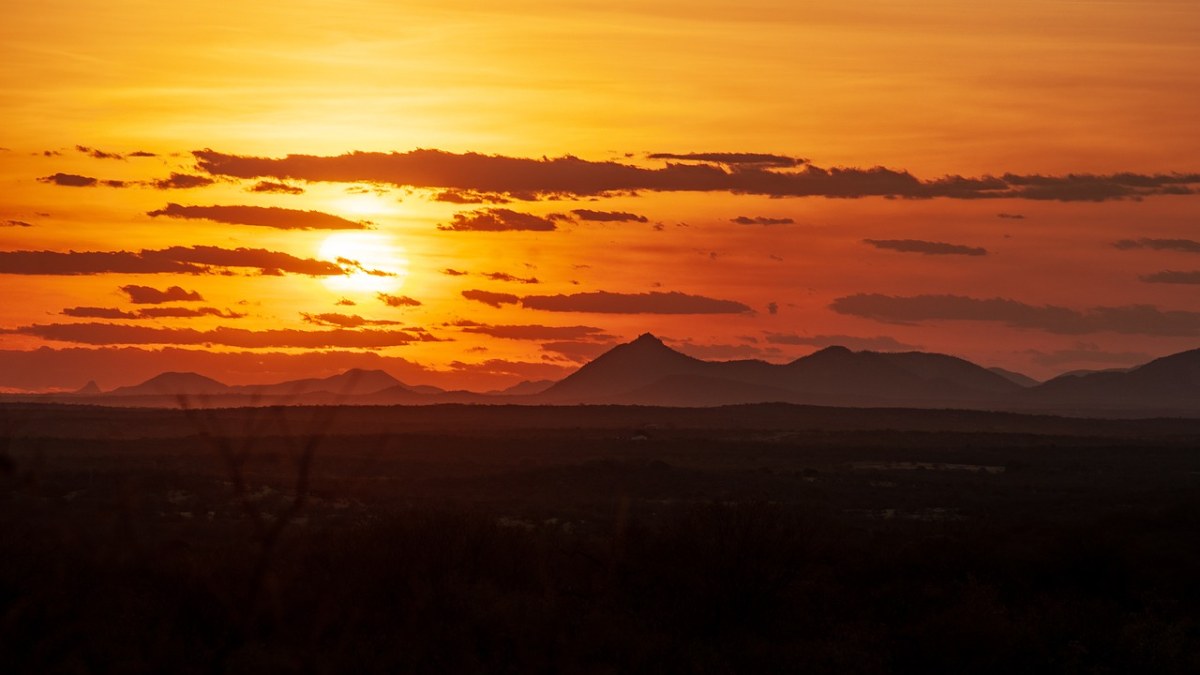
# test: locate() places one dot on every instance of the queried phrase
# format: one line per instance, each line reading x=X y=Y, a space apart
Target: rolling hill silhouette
x=648 y=372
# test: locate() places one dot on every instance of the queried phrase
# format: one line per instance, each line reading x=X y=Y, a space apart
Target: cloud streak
x=263 y=216
x=1129 y=319
x=1182 y=245
x=606 y=302
x=497 y=220
x=147 y=295
x=525 y=178
x=150 y=313
x=173 y=260
x=925 y=247
x=114 y=334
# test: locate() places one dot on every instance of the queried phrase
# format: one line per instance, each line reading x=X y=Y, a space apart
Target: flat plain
x=602 y=539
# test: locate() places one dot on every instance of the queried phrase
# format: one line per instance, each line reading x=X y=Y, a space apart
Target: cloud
x=98 y=154
x=761 y=220
x=1172 y=277
x=497 y=220
x=534 y=332
x=114 y=334
x=69 y=180
x=149 y=313
x=98 y=313
x=398 y=300
x=271 y=186
x=505 y=276
x=344 y=320
x=454 y=272
x=141 y=153
x=1184 y=245
x=772 y=308
x=743 y=173
x=146 y=295
x=185 y=313
x=345 y=302
x=469 y=197
x=15 y=223
x=925 y=247
x=605 y=302
x=1129 y=319
x=173 y=260
x=489 y=298
x=608 y=216
x=880 y=343
x=732 y=158
x=1011 y=216
x=181 y=181
x=265 y=216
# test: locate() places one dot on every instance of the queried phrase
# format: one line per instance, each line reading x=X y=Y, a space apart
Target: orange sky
x=1077 y=116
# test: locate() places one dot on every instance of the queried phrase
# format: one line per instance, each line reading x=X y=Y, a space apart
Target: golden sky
x=535 y=182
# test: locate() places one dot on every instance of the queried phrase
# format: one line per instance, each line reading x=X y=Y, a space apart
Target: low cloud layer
x=148 y=295
x=505 y=276
x=745 y=173
x=761 y=220
x=1184 y=245
x=608 y=216
x=497 y=220
x=173 y=260
x=490 y=298
x=333 y=319
x=534 y=331
x=605 y=302
x=264 y=216
x=279 y=188
x=1172 y=277
x=1129 y=319
x=117 y=334
x=398 y=300
x=150 y=313
x=925 y=247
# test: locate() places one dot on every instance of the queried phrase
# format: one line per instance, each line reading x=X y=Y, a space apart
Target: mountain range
x=648 y=372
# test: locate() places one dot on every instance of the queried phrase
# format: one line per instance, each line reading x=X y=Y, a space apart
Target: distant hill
x=353 y=382
x=1018 y=378
x=648 y=372
x=174 y=384
x=1170 y=384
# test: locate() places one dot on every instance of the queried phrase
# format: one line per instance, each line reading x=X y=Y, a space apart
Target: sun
x=375 y=262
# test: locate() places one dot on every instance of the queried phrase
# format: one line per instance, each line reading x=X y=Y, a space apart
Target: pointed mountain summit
x=624 y=368
x=89 y=389
x=647 y=372
x=174 y=384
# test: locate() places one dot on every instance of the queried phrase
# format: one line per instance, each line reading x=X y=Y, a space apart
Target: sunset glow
x=518 y=187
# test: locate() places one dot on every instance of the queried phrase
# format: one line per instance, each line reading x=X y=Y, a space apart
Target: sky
x=470 y=195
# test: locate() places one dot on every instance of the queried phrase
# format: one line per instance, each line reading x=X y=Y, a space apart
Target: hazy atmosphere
x=473 y=196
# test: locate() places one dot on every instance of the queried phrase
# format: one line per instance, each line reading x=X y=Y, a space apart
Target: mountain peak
x=648 y=339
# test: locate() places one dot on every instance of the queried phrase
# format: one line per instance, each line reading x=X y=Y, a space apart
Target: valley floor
x=601 y=540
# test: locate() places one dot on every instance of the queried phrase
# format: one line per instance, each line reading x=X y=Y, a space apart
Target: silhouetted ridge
x=624 y=368
x=172 y=384
x=91 y=388
x=1170 y=383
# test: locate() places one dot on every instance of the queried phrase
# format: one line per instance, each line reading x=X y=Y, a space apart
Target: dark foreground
x=466 y=540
